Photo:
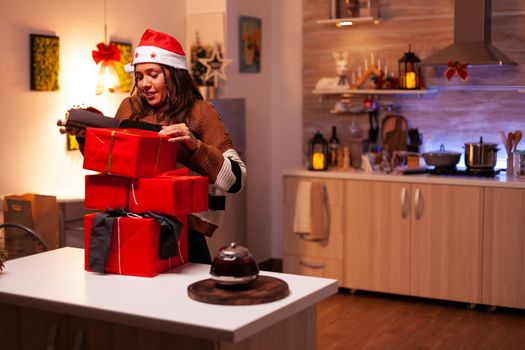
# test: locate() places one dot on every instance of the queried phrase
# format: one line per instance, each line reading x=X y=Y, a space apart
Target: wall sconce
x=409 y=71
x=105 y=56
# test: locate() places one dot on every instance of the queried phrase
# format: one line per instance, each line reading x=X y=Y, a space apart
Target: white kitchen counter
x=56 y=281
x=501 y=180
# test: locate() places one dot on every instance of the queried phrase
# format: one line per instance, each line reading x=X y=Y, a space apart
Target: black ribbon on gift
x=102 y=228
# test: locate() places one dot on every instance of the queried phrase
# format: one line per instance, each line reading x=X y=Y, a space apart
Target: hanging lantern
x=105 y=56
x=318 y=152
x=409 y=71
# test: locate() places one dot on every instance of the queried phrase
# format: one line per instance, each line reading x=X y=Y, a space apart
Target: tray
x=264 y=289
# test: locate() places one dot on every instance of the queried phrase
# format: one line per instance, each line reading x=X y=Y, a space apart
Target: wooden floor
x=379 y=321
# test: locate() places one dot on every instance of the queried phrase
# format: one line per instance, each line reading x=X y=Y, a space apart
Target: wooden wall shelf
x=372 y=92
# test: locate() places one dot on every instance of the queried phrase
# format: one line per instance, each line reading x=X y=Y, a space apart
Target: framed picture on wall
x=45 y=62
x=126 y=53
x=249 y=44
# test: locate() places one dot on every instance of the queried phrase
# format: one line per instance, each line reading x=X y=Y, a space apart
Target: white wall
x=274 y=113
x=32 y=152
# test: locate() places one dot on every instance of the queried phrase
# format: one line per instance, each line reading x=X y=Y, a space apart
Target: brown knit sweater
x=206 y=125
x=215 y=157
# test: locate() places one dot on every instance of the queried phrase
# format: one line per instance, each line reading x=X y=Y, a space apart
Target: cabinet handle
x=417 y=201
x=312 y=266
x=79 y=339
x=404 y=203
x=52 y=336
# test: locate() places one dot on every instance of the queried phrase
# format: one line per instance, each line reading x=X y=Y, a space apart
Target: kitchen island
x=48 y=298
x=456 y=238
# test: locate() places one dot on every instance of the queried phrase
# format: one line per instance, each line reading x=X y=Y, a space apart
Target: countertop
x=56 y=281
x=501 y=180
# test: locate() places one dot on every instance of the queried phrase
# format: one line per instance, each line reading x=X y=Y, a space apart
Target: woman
x=166 y=96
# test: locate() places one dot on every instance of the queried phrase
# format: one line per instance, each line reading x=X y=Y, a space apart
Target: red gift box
x=169 y=194
x=132 y=153
x=106 y=191
x=135 y=246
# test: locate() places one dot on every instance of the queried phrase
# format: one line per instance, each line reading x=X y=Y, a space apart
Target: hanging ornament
x=456 y=67
x=105 y=56
x=215 y=66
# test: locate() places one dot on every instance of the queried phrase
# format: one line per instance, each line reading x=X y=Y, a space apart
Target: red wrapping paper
x=106 y=191
x=169 y=194
x=129 y=152
x=136 y=251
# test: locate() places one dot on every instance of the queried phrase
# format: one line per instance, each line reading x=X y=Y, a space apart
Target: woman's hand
x=181 y=133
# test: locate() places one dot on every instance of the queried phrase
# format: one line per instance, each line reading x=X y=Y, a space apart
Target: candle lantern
x=318 y=152
x=409 y=71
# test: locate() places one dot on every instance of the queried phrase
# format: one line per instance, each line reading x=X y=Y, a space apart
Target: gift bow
x=106 y=53
x=456 y=66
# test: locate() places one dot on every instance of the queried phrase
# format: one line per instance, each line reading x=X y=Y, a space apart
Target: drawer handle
x=404 y=203
x=312 y=266
x=52 y=336
x=418 y=201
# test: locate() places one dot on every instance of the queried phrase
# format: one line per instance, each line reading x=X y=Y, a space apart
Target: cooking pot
x=234 y=265
x=481 y=155
x=442 y=158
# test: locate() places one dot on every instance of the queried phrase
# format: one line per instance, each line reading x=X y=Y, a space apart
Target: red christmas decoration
x=456 y=67
x=106 y=53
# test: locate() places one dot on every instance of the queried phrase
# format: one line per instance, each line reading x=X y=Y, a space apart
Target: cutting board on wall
x=394 y=132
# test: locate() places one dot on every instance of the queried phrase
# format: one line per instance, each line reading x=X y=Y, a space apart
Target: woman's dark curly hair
x=182 y=94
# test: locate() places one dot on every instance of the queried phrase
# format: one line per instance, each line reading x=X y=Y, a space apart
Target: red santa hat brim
x=158 y=47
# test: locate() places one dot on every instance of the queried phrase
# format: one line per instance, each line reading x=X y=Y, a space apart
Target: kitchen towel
x=312 y=215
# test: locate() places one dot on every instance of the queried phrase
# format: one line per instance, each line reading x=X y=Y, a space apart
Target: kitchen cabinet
x=414 y=239
x=445 y=242
x=314 y=258
x=504 y=247
x=376 y=236
x=75 y=309
x=26 y=328
x=441 y=237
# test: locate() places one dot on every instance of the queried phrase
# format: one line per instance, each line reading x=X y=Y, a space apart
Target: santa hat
x=158 y=47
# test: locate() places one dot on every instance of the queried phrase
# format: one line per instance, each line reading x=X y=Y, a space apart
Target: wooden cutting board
x=263 y=290
x=395 y=132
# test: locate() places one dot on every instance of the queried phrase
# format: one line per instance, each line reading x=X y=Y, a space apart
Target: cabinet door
x=376 y=223
x=504 y=247
x=23 y=328
x=445 y=245
x=88 y=334
x=317 y=258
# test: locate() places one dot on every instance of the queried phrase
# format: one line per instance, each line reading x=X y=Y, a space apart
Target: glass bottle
x=318 y=152
x=333 y=145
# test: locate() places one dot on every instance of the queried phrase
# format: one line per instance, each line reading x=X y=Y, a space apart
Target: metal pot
x=234 y=265
x=481 y=155
x=442 y=158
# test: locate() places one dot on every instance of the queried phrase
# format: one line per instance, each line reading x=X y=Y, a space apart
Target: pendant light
x=105 y=57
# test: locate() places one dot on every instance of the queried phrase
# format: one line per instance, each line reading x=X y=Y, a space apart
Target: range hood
x=472 y=37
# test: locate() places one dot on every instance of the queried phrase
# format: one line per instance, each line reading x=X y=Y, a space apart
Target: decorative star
x=153 y=55
x=215 y=66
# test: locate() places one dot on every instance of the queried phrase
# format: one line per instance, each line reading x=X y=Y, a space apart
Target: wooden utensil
x=517 y=138
x=503 y=139
x=510 y=141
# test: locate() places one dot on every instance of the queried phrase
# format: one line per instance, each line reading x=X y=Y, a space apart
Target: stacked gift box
x=143 y=202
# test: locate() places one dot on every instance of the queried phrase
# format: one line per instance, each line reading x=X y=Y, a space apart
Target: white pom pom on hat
x=158 y=47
